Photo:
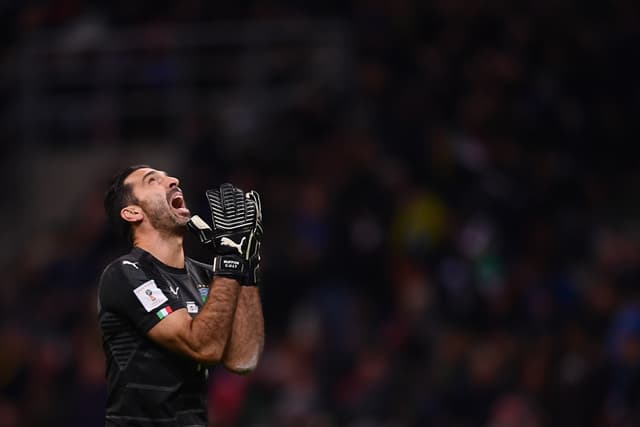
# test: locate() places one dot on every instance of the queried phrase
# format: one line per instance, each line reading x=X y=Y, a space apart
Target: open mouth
x=176 y=200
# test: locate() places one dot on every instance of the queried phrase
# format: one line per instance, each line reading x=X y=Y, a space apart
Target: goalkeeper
x=165 y=317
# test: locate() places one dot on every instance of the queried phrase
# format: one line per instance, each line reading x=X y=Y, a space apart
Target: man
x=165 y=317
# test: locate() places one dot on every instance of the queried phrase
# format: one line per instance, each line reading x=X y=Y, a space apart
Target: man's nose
x=172 y=181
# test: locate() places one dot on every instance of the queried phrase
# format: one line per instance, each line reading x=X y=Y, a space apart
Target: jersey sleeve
x=130 y=291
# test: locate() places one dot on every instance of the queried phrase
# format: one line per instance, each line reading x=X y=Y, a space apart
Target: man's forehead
x=139 y=174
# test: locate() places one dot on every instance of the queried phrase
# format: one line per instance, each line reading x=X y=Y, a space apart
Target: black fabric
x=148 y=385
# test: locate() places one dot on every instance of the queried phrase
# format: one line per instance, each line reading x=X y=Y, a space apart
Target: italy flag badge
x=164 y=312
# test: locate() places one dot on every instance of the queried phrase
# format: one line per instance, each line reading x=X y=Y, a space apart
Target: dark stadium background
x=451 y=200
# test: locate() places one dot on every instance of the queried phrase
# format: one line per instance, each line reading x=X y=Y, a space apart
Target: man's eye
x=152 y=179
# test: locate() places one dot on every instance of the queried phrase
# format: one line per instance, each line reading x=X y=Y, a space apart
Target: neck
x=168 y=249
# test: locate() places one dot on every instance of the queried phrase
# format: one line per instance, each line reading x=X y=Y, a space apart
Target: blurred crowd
x=451 y=240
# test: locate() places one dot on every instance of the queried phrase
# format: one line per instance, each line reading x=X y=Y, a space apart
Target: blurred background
x=452 y=224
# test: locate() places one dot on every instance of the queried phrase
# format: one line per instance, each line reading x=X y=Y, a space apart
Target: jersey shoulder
x=122 y=278
x=131 y=266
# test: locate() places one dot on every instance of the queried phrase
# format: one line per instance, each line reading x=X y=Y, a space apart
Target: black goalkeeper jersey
x=148 y=385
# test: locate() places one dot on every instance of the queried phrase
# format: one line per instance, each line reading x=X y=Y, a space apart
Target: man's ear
x=131 y=213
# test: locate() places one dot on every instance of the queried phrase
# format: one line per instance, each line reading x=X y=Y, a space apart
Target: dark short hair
x=117 y=196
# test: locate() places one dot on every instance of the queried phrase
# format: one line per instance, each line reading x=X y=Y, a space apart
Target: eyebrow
x=151 y=172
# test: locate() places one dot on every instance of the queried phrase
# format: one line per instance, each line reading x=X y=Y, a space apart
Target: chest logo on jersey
x=149 y=295
x=192 y=307
x=204 y=292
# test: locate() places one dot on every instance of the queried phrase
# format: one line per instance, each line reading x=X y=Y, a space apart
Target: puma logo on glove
x=228 y=242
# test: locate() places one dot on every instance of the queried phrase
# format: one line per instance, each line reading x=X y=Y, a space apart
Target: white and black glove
x=236 y=233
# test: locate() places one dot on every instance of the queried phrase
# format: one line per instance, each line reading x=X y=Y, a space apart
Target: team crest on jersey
x=149 y=295
x=204 y=292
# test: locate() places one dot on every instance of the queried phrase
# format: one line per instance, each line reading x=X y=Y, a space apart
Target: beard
x=162 y=219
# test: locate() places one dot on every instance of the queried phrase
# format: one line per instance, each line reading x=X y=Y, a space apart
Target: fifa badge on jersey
x=149 y=295
x=164 y=312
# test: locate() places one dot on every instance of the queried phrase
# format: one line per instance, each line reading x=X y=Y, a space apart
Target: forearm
x=210 y=330
x=247 y=333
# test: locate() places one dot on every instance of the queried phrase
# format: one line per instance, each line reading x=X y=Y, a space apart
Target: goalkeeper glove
x=236 y=233
x=250 y=262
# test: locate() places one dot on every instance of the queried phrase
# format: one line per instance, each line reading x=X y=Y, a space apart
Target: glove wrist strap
x=231 y=266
